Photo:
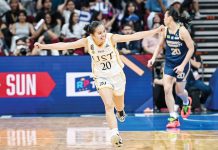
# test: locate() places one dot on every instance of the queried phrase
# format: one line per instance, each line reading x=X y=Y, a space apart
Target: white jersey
x=106 y=60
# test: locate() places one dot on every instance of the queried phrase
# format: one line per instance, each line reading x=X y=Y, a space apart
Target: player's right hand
x=161 y=28
x=150 y=63
x=37 y=46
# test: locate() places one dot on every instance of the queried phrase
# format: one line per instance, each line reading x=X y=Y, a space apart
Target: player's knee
x=109 y=106
x=119 y=92
x=167 y=90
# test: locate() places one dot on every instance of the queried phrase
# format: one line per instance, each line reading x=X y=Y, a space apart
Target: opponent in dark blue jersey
x=179 y=49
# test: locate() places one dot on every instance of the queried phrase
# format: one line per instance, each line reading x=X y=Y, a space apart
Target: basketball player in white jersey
x=107 y=68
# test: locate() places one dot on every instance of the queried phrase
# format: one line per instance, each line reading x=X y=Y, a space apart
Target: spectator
x=156 y=6
x=22 y=47
x=4 y=7
x=3 y=47
x=131 y=16
x=73 y=29
x=5 y=37
x=133 y=47
x=103 y=6
x=195 y=83
x=79 y=3
x=29 y=6
x=11 y=16
x=153 y=7
x=66 y=9
x=177 y=4
x=47 y=8
x=140 y=7
x=150 y=44
x=21 y=29
x=55 y=3
x=50 y=32
x=85 y=13
x=195 y=4
x=157 y=19
x=98 y=16
x=117 y=4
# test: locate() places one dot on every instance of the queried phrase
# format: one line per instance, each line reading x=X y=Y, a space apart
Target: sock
x=114 y=131
x=184 y=99
x=176 y=107
x=174 y=115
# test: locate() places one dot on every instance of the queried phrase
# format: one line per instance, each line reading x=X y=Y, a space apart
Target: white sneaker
x=116 y=140
x=176 y=108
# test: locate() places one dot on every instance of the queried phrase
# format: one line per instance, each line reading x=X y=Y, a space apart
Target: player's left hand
x=179 y=69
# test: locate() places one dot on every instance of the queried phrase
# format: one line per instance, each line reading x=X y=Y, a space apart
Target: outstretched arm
x=116 y=38
x=160 y=46
x=157 y=50
x=62 y=46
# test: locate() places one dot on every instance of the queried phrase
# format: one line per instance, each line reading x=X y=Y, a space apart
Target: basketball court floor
x=90 y=132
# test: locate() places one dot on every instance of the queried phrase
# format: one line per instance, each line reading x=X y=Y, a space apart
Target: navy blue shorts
x=179 y=77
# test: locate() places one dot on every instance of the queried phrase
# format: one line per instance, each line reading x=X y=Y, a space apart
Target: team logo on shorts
x=181 y=76
x=80 y=84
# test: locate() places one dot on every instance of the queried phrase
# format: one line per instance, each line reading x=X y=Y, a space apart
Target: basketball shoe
x=121 y=115
x=186 y=109
x=116 y=140
x=173 y=122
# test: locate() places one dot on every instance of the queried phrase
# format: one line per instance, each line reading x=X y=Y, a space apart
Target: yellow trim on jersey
x=93 y=72
x=89 y=51
x=117 y=54
x=102 y=44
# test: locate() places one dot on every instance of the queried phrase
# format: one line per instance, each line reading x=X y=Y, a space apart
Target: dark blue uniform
x=176 y=51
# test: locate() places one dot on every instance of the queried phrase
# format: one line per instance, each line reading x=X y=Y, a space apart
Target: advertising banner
x=64 y=84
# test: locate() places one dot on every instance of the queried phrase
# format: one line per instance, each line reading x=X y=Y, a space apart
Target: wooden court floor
x=92 y=133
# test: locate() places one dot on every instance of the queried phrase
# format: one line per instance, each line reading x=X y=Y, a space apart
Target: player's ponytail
x=87 y=28
x=90 y=28
x=185 y=21
x=175 y=14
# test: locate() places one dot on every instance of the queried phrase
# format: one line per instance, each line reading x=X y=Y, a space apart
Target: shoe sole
x=115 y=140
x=189 y=111
x=176 y=126
x=173 y=126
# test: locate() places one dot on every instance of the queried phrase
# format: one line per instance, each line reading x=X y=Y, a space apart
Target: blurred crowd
x=24 y=22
